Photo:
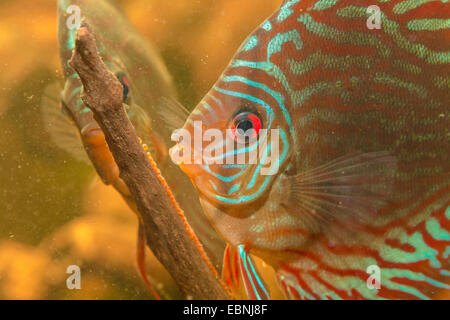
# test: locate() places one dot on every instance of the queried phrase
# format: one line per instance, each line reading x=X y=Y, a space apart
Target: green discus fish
x=348 y=197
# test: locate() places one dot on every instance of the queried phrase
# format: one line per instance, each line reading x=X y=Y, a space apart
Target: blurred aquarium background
x=54 y=211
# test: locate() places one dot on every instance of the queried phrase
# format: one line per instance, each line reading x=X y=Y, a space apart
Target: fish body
x=361 y=177
x=142 y=72
x=137 y=65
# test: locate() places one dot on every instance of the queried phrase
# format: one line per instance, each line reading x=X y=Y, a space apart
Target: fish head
x=247 y=151
x=238 y=139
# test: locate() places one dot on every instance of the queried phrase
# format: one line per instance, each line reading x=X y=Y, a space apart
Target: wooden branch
x=167 y=232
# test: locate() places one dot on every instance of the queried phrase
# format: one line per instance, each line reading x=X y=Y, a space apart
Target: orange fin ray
x=141 y=262
x=230 y=269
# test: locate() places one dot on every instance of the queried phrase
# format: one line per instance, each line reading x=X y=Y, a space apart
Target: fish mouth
x=206 y=188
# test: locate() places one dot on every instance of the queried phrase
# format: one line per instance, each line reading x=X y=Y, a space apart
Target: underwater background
x=54 y=210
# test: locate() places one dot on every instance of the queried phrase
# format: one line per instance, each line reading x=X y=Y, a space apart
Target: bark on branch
x=165 y=228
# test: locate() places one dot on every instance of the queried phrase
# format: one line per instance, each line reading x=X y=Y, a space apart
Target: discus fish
x=359 y=119
x=146 y=81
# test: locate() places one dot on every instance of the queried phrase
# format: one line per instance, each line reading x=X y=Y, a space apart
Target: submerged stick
x=167 y=232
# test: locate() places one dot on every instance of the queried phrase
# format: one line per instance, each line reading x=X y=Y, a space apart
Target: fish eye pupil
x=245 y=126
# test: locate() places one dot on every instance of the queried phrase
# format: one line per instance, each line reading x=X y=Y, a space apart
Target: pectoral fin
x=62 y=131
x=173 y=113
x=347 y=191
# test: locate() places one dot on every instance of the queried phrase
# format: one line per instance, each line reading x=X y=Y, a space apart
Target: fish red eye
x=125 y=83
x=245 y=126
x=125 y=80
